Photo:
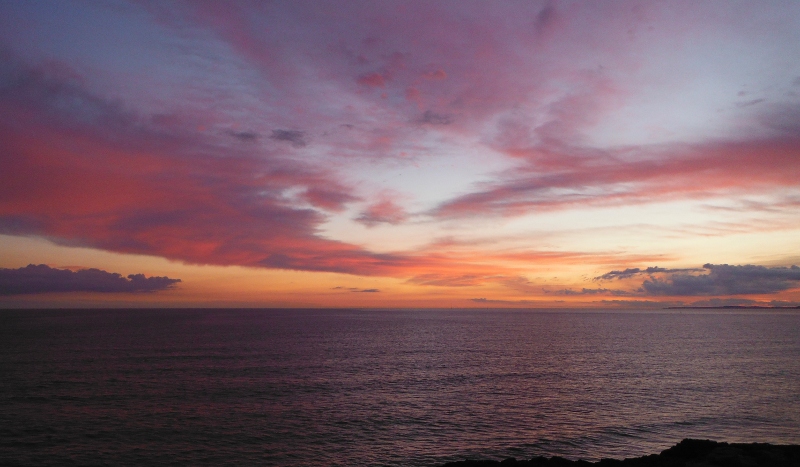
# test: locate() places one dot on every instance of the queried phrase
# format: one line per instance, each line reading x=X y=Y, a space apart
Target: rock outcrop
x=687 y=453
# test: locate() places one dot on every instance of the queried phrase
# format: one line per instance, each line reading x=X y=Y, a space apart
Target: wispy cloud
x=569 y=178
x=295 y=137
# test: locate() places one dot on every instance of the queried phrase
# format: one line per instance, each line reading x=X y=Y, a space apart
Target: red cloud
x=117 y=182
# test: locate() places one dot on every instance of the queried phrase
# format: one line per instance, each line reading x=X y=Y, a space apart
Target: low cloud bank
x=720 y=279
x=724 y=279
x=36 y=279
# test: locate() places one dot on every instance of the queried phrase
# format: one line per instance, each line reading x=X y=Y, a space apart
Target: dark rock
x=687 y=453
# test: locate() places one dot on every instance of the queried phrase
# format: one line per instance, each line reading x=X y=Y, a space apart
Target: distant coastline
x=734 y=307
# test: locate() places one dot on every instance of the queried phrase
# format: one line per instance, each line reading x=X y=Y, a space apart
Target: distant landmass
x=689 y=452
x=744 y=307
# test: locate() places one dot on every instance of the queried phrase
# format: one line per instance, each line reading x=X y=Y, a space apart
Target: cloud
x=375 y=80
x=557 y=177
x=446 y=280
x=383 y=212
x=245 y=136
x=586 y=291
x=630 y=272
x=505 y=302
x=435 y=75
x=81 y=170
x=295 y=137
x=36 y=279
x=356 y=289
x=434 y=118
x=718 y=280
x=724 y=279
x=134 y=157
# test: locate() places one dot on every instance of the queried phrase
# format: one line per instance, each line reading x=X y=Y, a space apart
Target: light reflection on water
x=388 y=387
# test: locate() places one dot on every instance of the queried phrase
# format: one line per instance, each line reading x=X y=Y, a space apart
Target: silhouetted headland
x=689 y=452
x=735 y=307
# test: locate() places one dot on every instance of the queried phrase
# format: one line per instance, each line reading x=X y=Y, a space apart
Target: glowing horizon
x=402 y=154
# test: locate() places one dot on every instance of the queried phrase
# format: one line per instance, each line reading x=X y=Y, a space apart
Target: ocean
x=388 y=387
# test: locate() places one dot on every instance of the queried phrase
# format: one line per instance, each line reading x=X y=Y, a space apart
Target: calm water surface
x=390 y=387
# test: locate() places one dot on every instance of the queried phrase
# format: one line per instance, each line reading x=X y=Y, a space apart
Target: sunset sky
x=399 y=154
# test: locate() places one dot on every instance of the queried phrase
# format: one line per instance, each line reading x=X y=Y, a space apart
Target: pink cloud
x=559 y=178
x=385 y=211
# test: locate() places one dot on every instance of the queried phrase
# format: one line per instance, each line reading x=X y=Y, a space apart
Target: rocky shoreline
x=687 y=453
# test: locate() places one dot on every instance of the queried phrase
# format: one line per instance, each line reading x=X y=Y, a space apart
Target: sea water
x=388 y=387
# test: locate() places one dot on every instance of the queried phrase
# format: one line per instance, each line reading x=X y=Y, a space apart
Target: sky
x=399 y=153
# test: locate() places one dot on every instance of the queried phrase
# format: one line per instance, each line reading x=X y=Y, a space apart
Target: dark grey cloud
x=19 y=224
x=36 y=279
x=59 y=97
x=630 y=272
x=544 y=18
x=435 y=118
x=724 y=279
x=356 y=289
x=783 y=118
x=245 y=136
x=295 y=137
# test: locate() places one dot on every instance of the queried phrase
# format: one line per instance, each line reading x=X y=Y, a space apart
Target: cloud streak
x=631 y=272
x=567 y=178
